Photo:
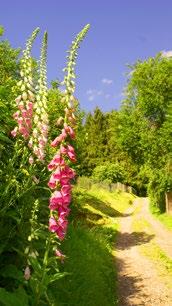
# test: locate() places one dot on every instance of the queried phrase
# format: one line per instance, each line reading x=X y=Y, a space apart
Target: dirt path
x=138 y=280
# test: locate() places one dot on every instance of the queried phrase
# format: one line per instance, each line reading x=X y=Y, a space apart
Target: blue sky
x=121 y=32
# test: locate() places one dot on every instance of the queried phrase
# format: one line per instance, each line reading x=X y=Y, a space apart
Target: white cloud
x=93 y=93
x=107 y=96
x=91 y=98
x=119 y=95
x=107 y=81
x=90 y=91
x=166 y=53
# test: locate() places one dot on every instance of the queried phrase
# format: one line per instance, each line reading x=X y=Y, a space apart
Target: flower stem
x=45 y=263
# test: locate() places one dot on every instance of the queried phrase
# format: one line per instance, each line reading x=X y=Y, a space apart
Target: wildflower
x=27 y=273
x=31 y=160
x=52 y=184
x=56 y=200
x=62 y=174
x=60 y=255
x=14 y=132
x=71 y=156
x=56 y=161
x=40 y=120
x=60 y=121
x=23 y=116
x=53 y=224
x=59 y=139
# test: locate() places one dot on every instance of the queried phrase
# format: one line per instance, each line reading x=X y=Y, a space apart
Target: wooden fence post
x=168 y=201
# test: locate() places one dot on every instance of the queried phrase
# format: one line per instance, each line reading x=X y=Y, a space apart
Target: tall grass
x=88 y=248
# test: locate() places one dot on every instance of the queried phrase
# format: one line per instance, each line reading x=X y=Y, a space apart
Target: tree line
x=133 y=145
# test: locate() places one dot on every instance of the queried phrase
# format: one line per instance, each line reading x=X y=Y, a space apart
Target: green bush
x=160 y=182
x=111 y=173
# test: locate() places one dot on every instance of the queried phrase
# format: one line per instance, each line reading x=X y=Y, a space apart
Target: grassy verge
x=88 y=248
x=151 y=250
x=164 y=218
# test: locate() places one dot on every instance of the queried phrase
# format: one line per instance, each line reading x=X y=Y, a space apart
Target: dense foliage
x=136 y=140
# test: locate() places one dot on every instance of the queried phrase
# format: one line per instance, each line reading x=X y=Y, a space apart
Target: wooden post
x=168 y=200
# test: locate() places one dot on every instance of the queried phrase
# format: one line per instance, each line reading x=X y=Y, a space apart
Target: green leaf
x=1 y=30
x=16 y=298
x=12 y=272
x=13 y=215
x=35 y=264
x=5 y=138
x=57 y=276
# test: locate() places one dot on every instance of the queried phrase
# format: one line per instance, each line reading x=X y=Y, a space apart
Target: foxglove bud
x=60 y=121
x=27 y=273
x=24 y=96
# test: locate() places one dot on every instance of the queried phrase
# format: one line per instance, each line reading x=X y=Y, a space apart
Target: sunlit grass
x=89 y=249
x=118 y=200
x=142 y=225
x=152 y=250
x=166 y=220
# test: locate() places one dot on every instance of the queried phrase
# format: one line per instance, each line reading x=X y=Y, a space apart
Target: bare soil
x=138 y=280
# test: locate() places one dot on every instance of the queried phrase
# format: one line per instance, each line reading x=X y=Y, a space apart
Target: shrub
x=108 y=172
x=159 y=183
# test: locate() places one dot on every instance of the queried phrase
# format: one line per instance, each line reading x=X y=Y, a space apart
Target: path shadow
x=127 y=240
x=129 y=287
x=103 y=207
